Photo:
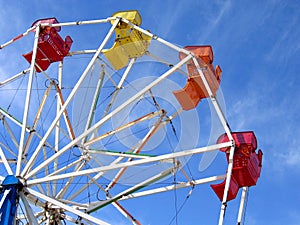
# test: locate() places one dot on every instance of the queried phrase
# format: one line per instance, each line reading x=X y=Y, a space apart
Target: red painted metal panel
x=247 y=163
x=51 y=47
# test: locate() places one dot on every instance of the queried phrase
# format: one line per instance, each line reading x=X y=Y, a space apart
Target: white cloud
x=215 y=15
x=166 y=24
x=286 y=39
x=289 y=156
x=272 y=116
x=294 y=216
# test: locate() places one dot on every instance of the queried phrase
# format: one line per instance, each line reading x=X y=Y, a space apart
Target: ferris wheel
x=89 y=124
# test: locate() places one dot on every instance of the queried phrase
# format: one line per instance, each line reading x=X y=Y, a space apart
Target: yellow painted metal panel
x=129 y=43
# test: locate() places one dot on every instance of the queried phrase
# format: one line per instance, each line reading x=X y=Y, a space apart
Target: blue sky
x=257 y=45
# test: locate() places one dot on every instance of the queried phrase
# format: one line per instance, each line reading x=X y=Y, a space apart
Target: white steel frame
x=29 y=173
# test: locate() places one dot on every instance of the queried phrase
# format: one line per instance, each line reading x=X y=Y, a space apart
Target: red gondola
x=51 y=47
x=246 y=163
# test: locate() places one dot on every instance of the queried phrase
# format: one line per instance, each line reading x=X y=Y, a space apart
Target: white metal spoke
x=96 y=206
x=46 y=172
x=119 y=154
x=62 y=192
x=11 y=134
x=160 y=158
x=123 y=127
x=215 y=103
x=63 y=108
x=66 y=207
x=82 y=52
x=103 y=120
x=29 y=212
x=70 y=165
x=74 y=204
x=137 y=150
x=175 y=186
x=86 y=140
x=17 y=38
x=57 y=131
x=148 y=33
x=226 y=127
x=6 y=192
x=5 y=162
x=226 y=189
x=65 y=113
x=115 y=204
x=119 y=86
x=108 y=75
x=77 y=23
x=37 y=117
x=14 y=120
x=95 y=101
x=84 y=187
x=126 y=213
x=243 y=201
x=27 y=102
